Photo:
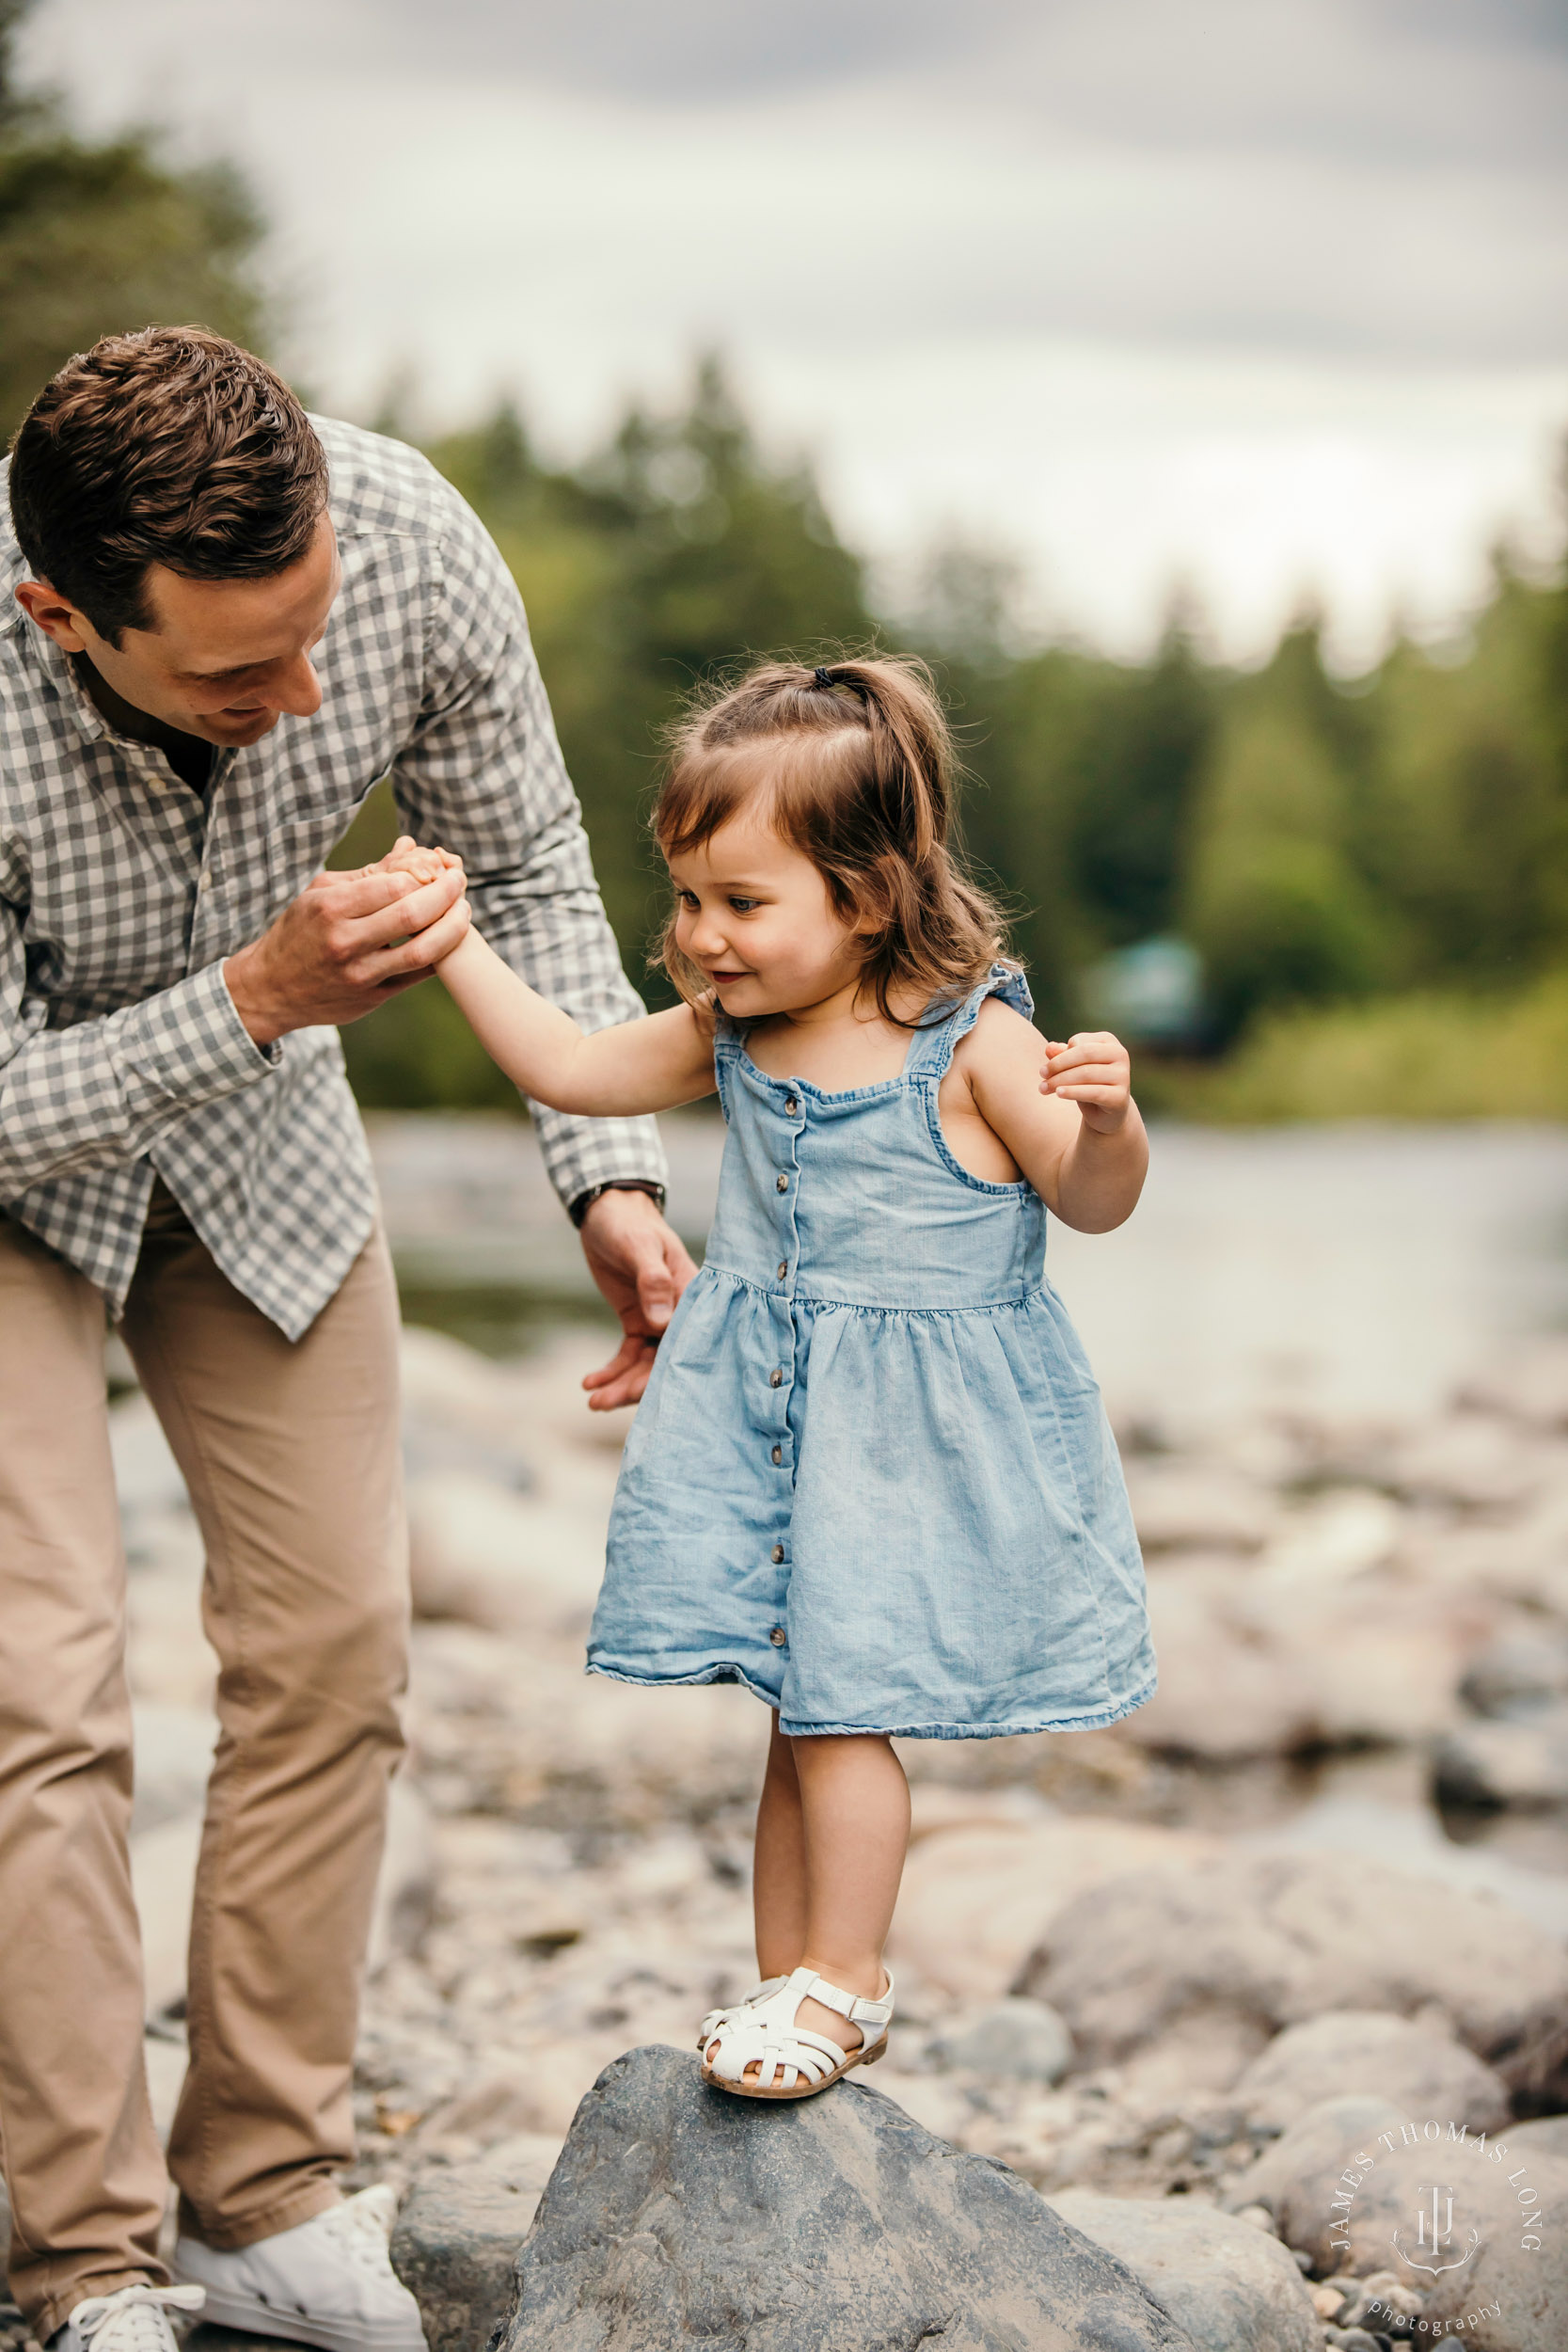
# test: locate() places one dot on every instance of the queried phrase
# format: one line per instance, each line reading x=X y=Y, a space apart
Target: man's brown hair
x=171 y=446
x=852 y=765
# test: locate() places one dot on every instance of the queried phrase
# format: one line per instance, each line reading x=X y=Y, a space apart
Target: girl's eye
x=743 y=906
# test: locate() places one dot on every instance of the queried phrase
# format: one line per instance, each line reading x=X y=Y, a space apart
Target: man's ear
x=54 y=613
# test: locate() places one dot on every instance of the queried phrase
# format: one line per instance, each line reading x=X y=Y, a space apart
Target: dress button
x=778 y=1454
x=775 y=1379
x=784 y=1268
x=776 y=1554
x=792 y=1105
x=781 y=1183
x=778 y=1637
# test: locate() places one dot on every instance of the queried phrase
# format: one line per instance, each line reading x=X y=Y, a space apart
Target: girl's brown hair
x=857 y=762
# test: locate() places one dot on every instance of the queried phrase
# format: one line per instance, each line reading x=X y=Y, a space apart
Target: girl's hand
x=405 y=856
x=1092 y=1069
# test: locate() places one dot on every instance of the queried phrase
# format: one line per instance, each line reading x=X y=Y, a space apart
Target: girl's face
x=755 y=914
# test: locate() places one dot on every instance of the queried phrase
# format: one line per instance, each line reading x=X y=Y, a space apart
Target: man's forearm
x=101 y=1093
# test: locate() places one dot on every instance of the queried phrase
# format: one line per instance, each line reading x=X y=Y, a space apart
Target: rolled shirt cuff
x=189 y=1045
x=580 y=1154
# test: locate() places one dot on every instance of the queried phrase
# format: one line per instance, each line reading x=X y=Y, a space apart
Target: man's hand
x=642 y=1265
x=345 y=946
x=1093 y=1070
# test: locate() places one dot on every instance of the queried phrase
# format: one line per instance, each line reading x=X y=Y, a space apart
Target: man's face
x=220 y=659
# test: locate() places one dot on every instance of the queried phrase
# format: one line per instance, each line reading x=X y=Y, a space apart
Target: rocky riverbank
x=1130 y=1963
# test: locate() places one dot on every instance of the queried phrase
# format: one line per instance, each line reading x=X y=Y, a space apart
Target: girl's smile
x=756 y=918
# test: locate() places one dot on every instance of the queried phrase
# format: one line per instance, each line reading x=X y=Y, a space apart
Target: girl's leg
x=779 y=1876
x=832 y=1829
x=855 y=1810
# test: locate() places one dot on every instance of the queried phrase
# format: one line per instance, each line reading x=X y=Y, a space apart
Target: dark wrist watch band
x=578 y=1209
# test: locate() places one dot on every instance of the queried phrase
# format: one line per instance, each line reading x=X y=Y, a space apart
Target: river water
x=1359 y=1269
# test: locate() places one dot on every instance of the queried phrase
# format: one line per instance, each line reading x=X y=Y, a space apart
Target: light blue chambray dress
x=871 y=1477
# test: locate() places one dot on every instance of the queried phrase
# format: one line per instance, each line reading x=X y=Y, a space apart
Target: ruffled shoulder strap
x=941 y=1031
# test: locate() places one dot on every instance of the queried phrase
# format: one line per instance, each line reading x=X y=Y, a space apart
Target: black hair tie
x=824 y=678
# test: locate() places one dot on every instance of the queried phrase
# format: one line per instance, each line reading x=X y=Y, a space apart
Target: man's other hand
x=642 y=1265
x=345 y=946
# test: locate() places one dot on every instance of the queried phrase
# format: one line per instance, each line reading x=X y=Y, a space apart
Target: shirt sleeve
x=101 y=1093
x=483 y=776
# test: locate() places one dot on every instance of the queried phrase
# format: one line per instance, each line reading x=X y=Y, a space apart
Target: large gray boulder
x=1424 y=2071
x=680 y=2215
x=1231 y=2285
x=1281 y=1937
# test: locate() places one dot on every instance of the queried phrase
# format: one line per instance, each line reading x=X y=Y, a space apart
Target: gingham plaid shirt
x=120 y=1051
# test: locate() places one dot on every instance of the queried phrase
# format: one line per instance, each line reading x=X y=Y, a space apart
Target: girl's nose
x=706 y=937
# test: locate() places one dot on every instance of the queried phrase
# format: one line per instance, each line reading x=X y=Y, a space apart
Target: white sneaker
x=327 y=2282
x=132 y=2319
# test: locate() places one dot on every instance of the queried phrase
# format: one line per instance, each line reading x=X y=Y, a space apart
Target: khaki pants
x=290 y=1454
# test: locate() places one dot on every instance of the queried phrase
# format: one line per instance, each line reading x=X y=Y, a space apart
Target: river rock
x=679 y=2214
x=1475 y=1462
x=1299 y=2177
x=976 y=1900
x=1518 y=1767
x=1377 y=2216
x=173 y=1758
x=1223 y=1695
x=1019 y=2040
x=1423 y=2070
x=1547 y=2136
x=1518 y=1674
x=1284 y=1937
x=1232 y=2286
x=454 y=2246
x=502 y=1561
x=1528 y=1385
x=148 y=1479
x=1197 y=1507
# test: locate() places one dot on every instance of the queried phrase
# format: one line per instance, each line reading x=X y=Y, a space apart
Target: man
x=219 y=626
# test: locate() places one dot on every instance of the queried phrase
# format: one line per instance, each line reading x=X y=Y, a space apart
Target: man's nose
x=296 y=689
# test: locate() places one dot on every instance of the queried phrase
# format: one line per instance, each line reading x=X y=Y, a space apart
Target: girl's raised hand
x=405 y=856
x=1094 y=1070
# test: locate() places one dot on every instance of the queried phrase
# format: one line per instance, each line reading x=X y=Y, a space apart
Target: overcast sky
x=1268 y=294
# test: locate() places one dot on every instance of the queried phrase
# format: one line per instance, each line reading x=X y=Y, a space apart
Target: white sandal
x=716 y=2017
x=792 y=2062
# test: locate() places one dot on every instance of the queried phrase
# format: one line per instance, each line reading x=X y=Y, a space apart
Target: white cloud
x=1266 y=291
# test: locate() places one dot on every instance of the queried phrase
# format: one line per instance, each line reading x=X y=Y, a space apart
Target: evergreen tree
x=98 y=238
x=1275 y=902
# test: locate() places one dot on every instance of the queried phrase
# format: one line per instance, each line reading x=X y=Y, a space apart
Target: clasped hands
x=350 y=941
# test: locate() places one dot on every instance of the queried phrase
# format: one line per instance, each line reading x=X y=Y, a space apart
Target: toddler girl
x=871 y=1478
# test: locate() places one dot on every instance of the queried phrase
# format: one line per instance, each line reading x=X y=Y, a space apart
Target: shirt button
x=775 y=1379
x=778 y=1454
x=778 y=1637
x=792 y=1106
x=776 y=1554
x=784 y=1268
x=781 y=1183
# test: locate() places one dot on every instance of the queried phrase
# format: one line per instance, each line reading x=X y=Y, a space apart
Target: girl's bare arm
x=611 y=1073
x=1071 y=1124
x=638 y=1066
